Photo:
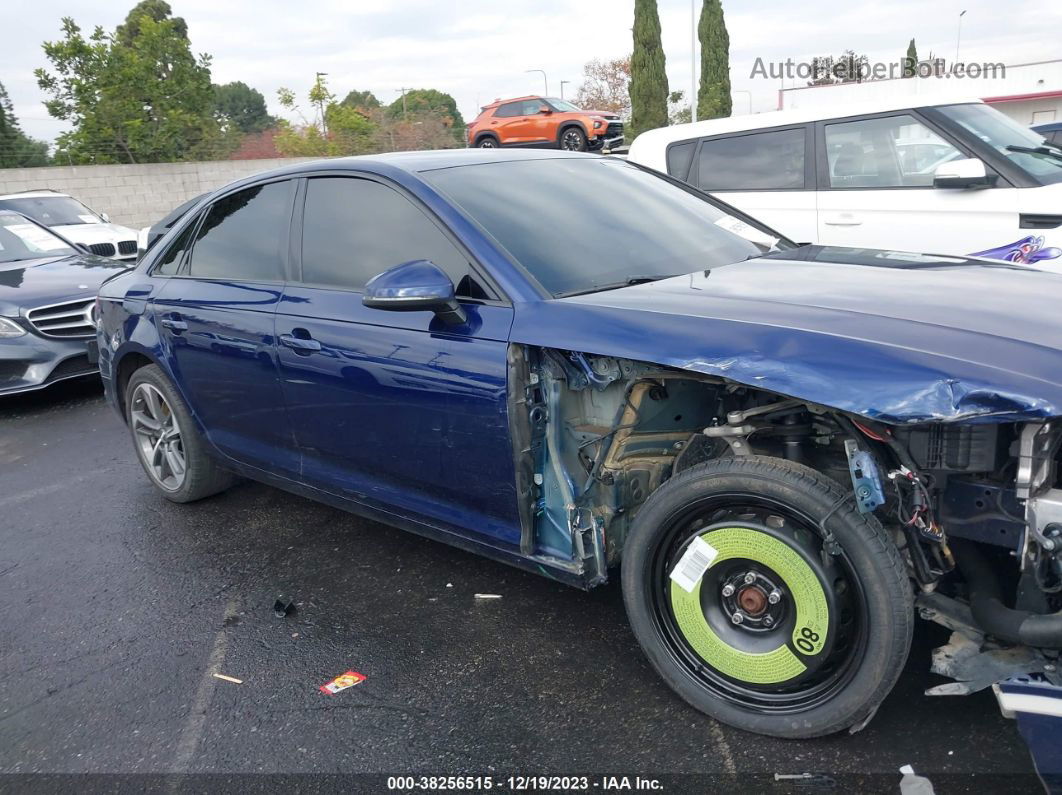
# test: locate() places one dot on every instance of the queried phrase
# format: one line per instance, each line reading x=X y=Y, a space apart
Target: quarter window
x=679 y=157
x=892 y=152
x=354 y=229
x=242 y=235
x=170 y=262
x=761 y=161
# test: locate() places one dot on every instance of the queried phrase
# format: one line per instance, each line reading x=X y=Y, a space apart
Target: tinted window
x=170 y=262
x=547 y=214
x=242 y=235
x=509 y=109
x=678 y=159
x=893 y=152
x=354 y=229
x=762 y=161
x=533 y=106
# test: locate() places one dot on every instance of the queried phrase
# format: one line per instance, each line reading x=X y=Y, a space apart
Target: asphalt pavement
x=119 y=607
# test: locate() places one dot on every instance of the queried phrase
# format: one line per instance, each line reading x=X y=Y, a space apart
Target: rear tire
x=487 y=142
x=167 y=442
x=784 y=633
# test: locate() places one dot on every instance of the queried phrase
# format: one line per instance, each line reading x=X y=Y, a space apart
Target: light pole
x=958 y=39
x=545 y=82
x=693 y=60
x=563 y=82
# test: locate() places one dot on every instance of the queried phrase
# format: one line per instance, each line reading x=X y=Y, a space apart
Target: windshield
x=563 y=105
x=52 y=210
x=1005 y=135
x=585 y=224
x=21 y=239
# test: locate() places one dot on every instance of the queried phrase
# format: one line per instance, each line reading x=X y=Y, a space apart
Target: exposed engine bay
x=975 y=508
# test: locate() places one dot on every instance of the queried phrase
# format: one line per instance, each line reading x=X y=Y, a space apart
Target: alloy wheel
x=158 y=437
x=572 y=140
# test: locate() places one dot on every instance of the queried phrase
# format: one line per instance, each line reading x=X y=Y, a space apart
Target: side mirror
x=545 y=109
x=106 y=218
x=417 y=286
x=967 y=173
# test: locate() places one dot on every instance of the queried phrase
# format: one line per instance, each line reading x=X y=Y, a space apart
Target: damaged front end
x=975 y=508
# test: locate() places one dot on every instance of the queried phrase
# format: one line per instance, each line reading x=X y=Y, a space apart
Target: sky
x=479 y=50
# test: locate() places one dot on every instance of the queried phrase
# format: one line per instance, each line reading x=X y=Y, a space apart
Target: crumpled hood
x=892 y=336
x=39 y=282
x=87 y=234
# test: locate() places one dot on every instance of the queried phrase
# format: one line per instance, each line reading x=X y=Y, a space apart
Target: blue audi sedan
x=580 y=367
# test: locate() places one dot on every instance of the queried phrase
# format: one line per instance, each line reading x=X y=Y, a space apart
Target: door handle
x=301 y=344
x=174 y=324
x=842 y=219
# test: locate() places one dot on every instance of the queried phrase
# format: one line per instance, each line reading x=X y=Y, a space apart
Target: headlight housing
x=598 y=124
x=9 y=329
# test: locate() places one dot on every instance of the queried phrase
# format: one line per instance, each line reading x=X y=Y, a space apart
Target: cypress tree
x=910 y=61
x=713 y=95
x=648 y=86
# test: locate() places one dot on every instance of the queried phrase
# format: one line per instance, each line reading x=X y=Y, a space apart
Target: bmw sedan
x=47 y=305
x=774 y=448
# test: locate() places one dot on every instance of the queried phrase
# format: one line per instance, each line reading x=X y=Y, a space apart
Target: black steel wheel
x=765 y=599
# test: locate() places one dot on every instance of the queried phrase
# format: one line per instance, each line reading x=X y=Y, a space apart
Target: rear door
x=876 y=190
x=216 y=316
x=510 y=123
x=767 y=173
x=395 y=409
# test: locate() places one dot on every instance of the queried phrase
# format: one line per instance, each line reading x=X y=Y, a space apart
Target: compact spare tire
x=167 y=442
x=765 y=599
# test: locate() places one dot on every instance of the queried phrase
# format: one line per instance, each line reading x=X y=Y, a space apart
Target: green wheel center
x=806 y=597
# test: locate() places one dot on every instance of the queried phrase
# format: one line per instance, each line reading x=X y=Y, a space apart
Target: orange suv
x=544 y=122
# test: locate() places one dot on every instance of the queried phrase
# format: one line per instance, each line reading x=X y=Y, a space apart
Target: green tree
x=137 y=95
x=428 y=101
x=361 y=100
x=910 y=60
x=17 y=150
x=713 y=93
x=157 y=10
x=242 y=107
x=335 y=130
x=648 y=87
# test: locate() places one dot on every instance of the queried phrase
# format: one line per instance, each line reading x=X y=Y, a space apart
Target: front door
x=395 y=409
x=216 y=317
x=876 y=191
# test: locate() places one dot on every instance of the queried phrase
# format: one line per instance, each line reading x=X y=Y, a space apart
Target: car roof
x=34 y=194
x=646 y=144
x=427 y=160
x=497 y=102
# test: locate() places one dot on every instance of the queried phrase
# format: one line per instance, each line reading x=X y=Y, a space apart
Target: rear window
x=760 y=161
x=509 y=109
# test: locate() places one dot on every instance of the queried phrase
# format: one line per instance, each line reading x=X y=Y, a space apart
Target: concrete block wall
x=136 y=195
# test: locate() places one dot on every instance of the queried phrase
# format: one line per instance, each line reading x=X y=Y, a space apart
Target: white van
x=955 y=178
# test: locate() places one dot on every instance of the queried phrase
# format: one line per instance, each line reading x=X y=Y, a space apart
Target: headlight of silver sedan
x=9 y=329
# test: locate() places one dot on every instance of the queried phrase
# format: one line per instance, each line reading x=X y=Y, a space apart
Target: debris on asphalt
x=911 y=784
x=342 y=682
x=232 y=679
x=283 y=607
x=488 y=596
x=816 y=780
x=449 y=585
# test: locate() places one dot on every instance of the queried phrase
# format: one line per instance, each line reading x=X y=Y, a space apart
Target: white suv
x=74 y=221
x=958 y=178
